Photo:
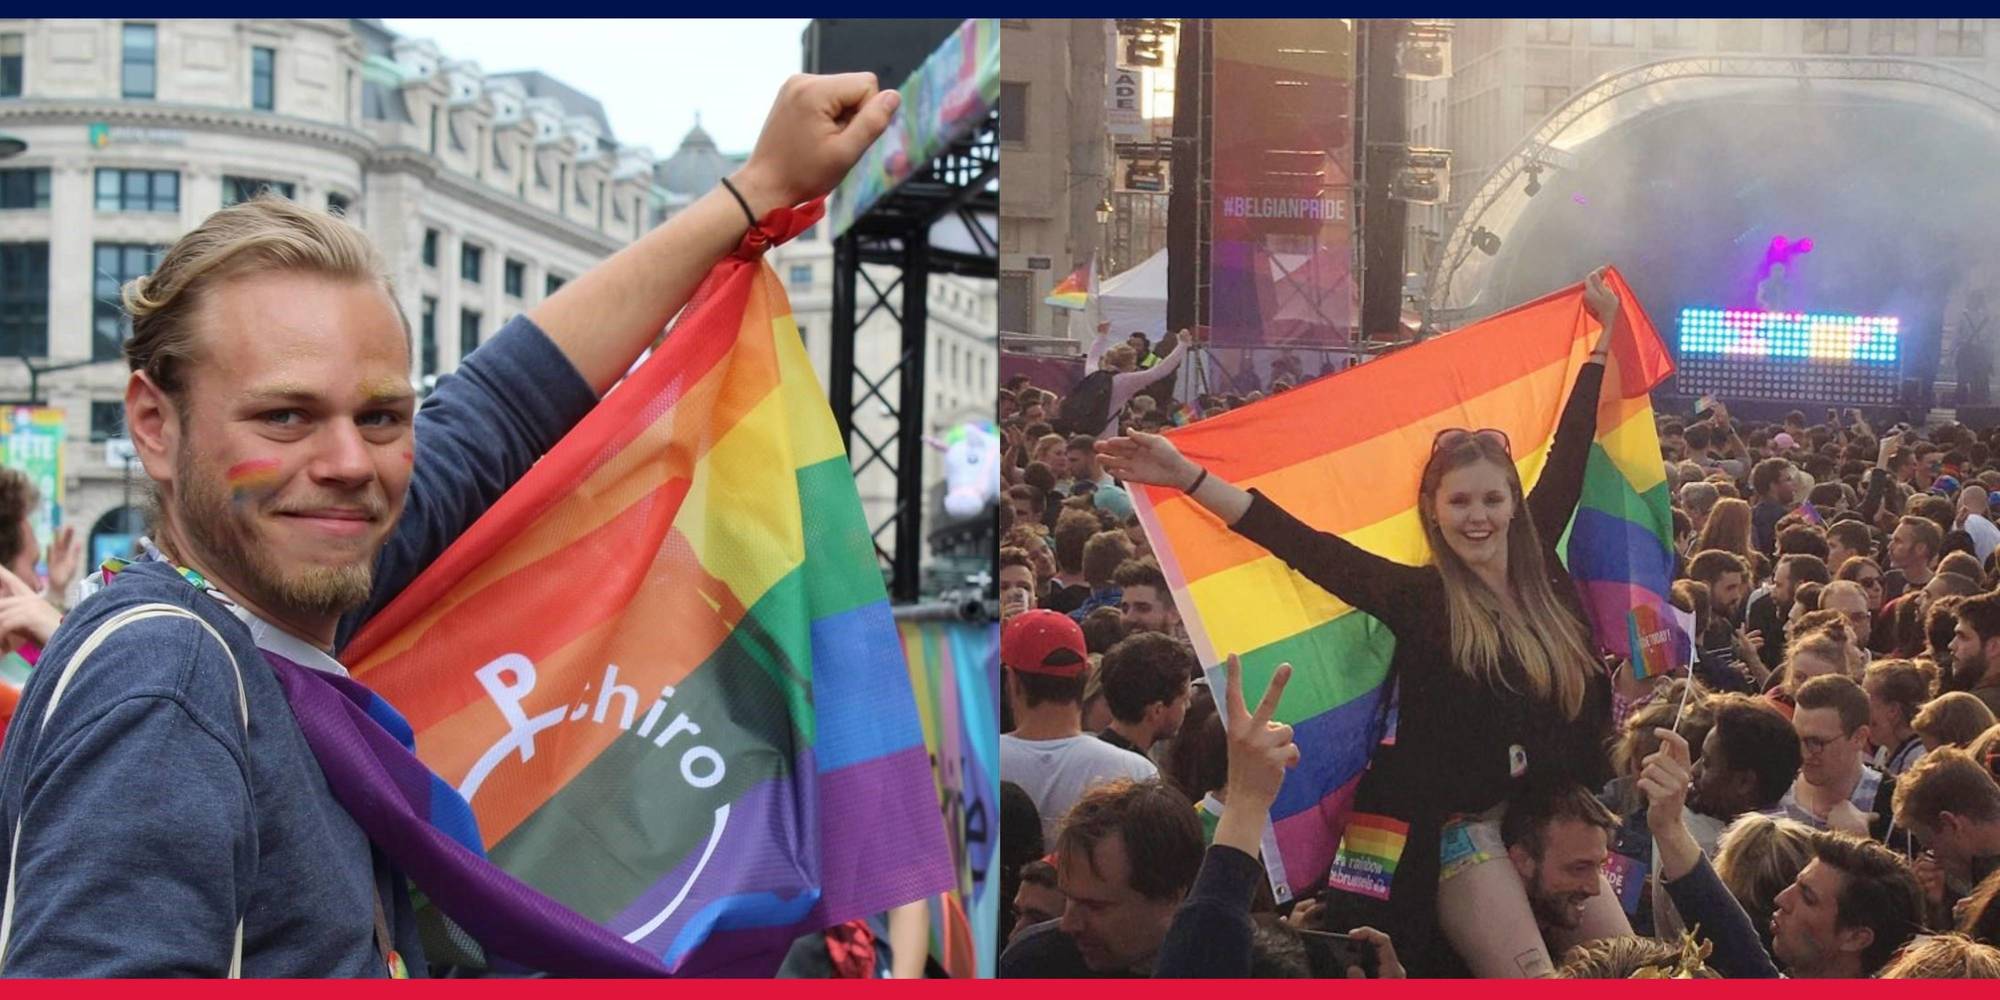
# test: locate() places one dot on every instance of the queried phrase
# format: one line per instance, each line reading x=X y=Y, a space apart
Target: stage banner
x=955 y=672
x=31 y=440
x=1281 y=253
x=944 y=101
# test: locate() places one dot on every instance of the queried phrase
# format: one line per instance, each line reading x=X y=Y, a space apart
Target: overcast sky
x=651 y=75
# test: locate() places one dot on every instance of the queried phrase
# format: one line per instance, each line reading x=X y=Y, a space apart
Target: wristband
x=1198 y=480
x=731 y=188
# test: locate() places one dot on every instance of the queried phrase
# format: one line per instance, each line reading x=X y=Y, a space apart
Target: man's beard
x=1557 y=911
x=1966 y=673
x=223 y=532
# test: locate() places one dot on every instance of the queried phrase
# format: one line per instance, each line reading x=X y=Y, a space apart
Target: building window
x=113 y=265
x=811 y=233
x=140 y=72
x=468 y=333
x=1892 y=36
x=24 y=299
x=1740 y=34
x=337 y=203
x=1827 y=35
x=263 y=79
x=1017 y=291
x=427 y=344
x=515 y=276
x=1611 y=31
x=1550 y=30
x=27 y=187
x=430 y=248
x=550 y=284
x=1013 y=112
x=12 y=57
x=1539 y=100
x=241 y=189
x=471 y=262
x=802 y=275
x=1961 y=37
x=138 y=190
x=107 y=421
x=1675 y=32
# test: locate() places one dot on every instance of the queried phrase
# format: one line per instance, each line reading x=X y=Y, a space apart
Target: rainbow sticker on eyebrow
x=255 y=475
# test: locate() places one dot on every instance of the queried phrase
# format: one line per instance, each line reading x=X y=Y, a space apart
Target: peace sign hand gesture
x=1259 y=750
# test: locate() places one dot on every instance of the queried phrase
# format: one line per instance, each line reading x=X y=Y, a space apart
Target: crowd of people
x=1816 y=793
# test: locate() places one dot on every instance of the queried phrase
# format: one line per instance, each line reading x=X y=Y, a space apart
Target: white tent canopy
x=1136 y=300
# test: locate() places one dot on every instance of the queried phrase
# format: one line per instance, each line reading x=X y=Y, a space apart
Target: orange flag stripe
x=545 y=592
x=1309 y=484
x=728 y=390
x=661 y=638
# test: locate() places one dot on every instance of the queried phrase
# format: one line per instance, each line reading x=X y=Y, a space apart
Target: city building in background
x=1086 y=127
x=484 y=193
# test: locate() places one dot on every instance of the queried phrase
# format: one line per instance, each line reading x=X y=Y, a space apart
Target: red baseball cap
x=1044 y=642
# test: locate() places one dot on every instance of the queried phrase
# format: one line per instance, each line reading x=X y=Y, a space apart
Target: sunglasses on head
x=1452 y=437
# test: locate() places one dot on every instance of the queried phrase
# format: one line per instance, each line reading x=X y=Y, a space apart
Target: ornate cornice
x=372 y=155
x=149 y=114
x=410 y=160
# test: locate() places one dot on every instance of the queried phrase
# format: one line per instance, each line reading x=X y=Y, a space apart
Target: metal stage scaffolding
x=959 y=188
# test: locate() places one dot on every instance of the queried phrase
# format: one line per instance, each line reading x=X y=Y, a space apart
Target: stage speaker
x=1383 y=217
x=890 y=48
x=1979 y=418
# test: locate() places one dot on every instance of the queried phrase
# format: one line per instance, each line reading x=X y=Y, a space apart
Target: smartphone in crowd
x=1331 y=954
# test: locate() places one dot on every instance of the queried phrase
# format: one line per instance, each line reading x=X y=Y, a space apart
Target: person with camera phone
x=1210 y=937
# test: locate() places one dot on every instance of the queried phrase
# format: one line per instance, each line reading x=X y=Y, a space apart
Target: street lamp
x=1104 y=210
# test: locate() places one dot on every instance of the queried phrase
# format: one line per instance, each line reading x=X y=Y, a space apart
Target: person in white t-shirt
x=1975 y=518
x=1044 y=669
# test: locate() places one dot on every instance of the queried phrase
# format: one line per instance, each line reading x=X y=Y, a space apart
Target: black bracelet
x=1198 y=480
x=738 y=195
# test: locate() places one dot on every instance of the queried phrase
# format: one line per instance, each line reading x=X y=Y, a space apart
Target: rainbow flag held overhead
x=1073 y=292
x=662 y=668
x=1356 y=475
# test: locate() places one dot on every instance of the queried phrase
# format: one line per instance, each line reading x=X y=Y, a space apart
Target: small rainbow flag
x=1073 y=292
x=662 y=668
x=1356 y=475
x=1811 y=514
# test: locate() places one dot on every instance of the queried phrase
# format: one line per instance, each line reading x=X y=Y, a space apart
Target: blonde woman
x=1496 y=673
x=1758 y=857
x=1826 y=649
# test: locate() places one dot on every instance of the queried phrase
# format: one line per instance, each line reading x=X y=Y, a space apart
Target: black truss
x=957 y=185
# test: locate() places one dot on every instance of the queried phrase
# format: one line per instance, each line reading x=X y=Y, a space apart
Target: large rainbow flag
x=663 y=669
x=1355 y=474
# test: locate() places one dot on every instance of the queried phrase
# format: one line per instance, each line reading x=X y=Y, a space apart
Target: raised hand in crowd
x=1664 y=778
x=25 y=616
x=1260 y=751
x=65 y=561
x=1149 y=458
x=1602 y=302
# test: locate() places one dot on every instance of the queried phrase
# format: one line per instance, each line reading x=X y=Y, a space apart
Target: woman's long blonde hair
x=1545 y=638
x=1728 y=528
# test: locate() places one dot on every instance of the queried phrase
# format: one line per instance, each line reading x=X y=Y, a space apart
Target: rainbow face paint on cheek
x=253 y=478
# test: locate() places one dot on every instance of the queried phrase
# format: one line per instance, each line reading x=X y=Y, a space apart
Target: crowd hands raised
x=1818 y=795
